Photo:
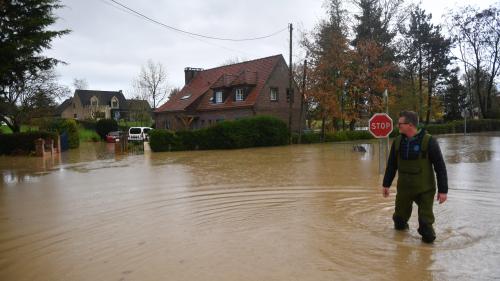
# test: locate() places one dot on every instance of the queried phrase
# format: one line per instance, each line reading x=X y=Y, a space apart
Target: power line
x=111 y=4
x=192 y=33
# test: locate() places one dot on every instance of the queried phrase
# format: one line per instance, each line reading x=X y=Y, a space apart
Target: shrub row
x=333 y=137
x=61 y=126
x=473 y=126
x=242 y=133
x=23 y=143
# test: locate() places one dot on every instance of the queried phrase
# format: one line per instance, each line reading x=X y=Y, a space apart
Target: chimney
x=190 y=73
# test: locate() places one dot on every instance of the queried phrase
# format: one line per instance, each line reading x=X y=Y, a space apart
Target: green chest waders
x=416 y=183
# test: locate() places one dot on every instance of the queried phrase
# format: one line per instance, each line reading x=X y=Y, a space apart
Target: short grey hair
x=410 y=117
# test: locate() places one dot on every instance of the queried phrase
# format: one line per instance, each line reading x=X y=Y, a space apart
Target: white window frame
x=114 y=99
x=273 y=95
x=218 y=97
x=92 y=99
x=239 y=94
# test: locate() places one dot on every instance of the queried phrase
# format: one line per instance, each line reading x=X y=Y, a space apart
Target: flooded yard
x=301 y=212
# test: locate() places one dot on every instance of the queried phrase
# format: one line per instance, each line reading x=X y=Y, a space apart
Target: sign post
x=380 y=126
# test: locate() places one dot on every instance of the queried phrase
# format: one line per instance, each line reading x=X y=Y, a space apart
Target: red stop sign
x=380 y=125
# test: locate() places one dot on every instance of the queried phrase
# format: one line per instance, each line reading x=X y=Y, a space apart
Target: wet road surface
x=310 y=212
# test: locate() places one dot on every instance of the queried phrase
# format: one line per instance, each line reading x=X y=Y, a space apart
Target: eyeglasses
x=399 y=124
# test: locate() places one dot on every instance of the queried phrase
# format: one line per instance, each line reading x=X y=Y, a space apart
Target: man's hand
x=385 y=191
x=441 y=197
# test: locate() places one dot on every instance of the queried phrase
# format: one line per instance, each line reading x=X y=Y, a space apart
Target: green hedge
x=59 y=125
x=23 y=143
x=104 y=126
x=334 y=137
x=88 y=124
x=242 y=133
x=473 y=126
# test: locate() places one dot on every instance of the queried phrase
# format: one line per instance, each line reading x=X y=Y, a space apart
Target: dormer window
x=114 y=103
x=94 y=101
x=239 y=94
x=218 y=97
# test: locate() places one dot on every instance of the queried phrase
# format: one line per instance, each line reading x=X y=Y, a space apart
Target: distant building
x=92 y=104
x=256 y=87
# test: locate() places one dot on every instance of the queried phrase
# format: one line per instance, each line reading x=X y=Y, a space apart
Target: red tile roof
x=254 y=72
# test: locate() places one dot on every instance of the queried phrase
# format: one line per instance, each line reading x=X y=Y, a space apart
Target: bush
x=163 y=140
x=88 y=124
x=104 y=126
x=23 y=143
x=242 y=133
x=59 y=125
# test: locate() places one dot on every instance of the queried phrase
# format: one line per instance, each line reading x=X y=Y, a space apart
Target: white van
x=138 y=133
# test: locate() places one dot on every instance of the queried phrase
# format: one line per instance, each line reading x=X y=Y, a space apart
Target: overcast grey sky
x=108 y=45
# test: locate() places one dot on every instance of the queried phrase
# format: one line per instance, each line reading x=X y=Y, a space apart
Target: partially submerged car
x=113 y=136
x=139 y=133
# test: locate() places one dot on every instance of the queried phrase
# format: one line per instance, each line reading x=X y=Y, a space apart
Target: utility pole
x=342 y=105
x=290 y=86
x=302 y=96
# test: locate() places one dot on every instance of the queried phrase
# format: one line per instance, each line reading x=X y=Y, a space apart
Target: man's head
x=408 y=122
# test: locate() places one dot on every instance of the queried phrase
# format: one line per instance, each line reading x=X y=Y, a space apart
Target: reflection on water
x=471 y=149
x=311 y=212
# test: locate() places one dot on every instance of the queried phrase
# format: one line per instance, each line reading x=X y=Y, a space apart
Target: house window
x=288 y=95
x=239 y=94
x=274 y=94
x=75 y=116
x=114 y=102
x=218 y=97
x=94 y=101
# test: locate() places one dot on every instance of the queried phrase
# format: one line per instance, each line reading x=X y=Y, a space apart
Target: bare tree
x=477 y=35
x=233 y=60
x=173 y=92
x=80 y=84
x=151 y=84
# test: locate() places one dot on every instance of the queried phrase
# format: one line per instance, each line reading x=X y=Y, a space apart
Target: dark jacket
x=409 y=150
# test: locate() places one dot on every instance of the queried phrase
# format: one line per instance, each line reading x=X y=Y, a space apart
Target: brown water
x=311 y=212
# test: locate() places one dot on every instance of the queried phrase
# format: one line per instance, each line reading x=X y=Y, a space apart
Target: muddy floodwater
x=302 y=212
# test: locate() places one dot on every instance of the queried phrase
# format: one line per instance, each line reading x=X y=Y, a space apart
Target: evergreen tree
x=23 y=37
x=373 y=26
x=373 y=66
x=427 y=55
x=454 y=98
x=415 y=37
x=438 y=59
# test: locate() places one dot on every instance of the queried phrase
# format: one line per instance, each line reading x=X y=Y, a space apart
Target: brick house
x=92 y=104
x=256 y=87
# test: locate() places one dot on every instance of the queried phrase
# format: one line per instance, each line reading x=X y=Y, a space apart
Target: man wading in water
x=413 y=154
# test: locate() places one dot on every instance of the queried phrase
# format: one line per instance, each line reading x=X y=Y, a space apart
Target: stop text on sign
x=385 y=125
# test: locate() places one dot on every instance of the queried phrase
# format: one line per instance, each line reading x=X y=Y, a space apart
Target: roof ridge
x=82 y=90
x=222 y=66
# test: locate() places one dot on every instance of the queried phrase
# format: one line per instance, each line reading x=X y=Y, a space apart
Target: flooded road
x=310 y=212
